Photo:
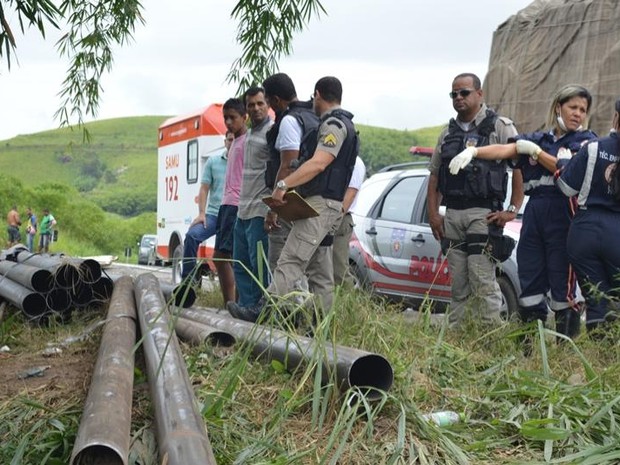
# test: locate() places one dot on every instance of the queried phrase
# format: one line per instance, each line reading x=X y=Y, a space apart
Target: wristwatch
x=511 y=208
x=281 y=185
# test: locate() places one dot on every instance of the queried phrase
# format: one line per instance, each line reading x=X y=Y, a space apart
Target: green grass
x=559 y=405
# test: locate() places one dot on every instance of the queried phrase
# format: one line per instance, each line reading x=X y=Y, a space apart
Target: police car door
x=395 y=240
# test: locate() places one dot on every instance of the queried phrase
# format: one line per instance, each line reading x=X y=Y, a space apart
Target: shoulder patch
x=334 y=122
x=329 y=140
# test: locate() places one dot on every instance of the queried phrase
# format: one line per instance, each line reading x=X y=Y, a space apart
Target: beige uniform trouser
x=473 y=276
x=302 y=256
x=277 y=239
x=341 y=252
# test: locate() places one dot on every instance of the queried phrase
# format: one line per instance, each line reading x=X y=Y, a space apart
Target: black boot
x=567 y=322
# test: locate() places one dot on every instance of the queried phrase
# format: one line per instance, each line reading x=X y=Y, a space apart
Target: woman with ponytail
x=593 y=176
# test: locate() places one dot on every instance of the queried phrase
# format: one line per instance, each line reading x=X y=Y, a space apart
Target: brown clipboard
x=295 y=208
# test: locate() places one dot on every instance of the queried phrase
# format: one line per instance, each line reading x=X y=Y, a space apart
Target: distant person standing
x=46 y=230
x=235 y=116
x=31 y=229
x=203 y=226
x=13 y=223
x=345 y=230
x=249 y=266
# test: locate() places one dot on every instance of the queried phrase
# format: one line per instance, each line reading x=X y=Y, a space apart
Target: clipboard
x=295 y=208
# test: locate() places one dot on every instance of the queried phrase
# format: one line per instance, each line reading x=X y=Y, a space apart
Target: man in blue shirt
x=203 y=226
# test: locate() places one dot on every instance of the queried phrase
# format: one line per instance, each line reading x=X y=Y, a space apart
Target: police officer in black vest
x=473 y=199
x=322 y=179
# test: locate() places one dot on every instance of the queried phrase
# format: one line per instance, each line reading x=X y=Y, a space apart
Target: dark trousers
x=594 y=251
x=542 y=257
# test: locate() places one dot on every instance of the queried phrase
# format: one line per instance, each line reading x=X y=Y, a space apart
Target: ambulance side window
x=192 y=162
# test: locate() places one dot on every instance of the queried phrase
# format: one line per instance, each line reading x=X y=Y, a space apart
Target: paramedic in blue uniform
x=541 y=253
x=593 y=176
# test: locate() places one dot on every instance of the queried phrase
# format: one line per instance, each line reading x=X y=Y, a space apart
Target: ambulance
x=185 y=143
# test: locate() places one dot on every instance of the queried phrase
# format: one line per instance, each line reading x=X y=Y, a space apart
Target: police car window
x=192 y=162
x=399 y=201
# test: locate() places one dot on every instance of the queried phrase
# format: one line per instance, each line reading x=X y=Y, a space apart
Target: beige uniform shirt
x=504 y=130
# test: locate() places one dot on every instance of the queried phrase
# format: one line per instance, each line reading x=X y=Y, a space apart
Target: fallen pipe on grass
x=196 y=333
x=104 y=432
x=181 y=433
x=31 y=303
x=66 y=274
x=371 y=373
x=34 y=278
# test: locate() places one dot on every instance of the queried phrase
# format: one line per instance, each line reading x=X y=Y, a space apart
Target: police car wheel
x=360 y=280
x=510 y=300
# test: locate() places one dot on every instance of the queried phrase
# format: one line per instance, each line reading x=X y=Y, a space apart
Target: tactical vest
x=309 y=123
x=482 y=183
x=334 y=180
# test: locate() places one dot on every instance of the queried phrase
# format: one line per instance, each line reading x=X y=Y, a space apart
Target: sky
x=396 y=60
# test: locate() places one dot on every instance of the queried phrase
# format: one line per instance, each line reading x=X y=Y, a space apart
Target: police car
x=393 y=251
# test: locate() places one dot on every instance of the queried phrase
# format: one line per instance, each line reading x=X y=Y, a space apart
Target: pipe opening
x=42 y=281
x=103 y=288
x=34 y=306
x=58 y=300
x=90 y=270
x=371 y=373
x=99 y=454
x=184 y=296
x=67 y=276
x=221 y=339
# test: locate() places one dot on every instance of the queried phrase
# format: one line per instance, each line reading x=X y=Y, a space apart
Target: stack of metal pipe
x=42 y=285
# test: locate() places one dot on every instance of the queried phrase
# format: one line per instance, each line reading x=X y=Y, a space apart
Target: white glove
x=528 y=148
x=462 y=160
x=564 y=154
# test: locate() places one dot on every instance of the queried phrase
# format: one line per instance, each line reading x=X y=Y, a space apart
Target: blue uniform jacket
x=588 y=175
x=537 y=180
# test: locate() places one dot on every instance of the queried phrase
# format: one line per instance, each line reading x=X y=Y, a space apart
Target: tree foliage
x=91 y=28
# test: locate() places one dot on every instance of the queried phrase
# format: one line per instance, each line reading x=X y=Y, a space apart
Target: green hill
x=92 y=186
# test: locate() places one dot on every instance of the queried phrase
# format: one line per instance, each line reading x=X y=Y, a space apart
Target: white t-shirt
x=289 y=135
x=357 y=178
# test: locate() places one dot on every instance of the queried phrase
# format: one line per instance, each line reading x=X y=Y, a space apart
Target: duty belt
x=460 y=203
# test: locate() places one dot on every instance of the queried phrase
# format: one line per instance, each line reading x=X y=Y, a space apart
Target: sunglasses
x=463 y=93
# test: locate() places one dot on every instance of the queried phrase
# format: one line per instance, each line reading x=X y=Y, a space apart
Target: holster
x=499 y=246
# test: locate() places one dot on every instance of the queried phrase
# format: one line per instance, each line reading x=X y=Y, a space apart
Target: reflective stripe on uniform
x=584 y=192
x=534 y=183
x=531 y=300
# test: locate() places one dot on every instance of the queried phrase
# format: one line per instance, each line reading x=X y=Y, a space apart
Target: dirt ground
x=71 y=370
x=67 y=372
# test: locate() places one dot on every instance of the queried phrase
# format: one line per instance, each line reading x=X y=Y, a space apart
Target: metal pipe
x=183 y=295
x=102 y=289
x=31 y=303
x=65 y=273
x=198 y=334
x=90 y=270
x=369 y=372
x=104 y=432
x=58 y=300
x=181 y=432
x=82 y=294
x=34 y=278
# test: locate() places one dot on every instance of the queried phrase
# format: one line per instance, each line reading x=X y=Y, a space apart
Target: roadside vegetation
x=104 y=193
x=558 y=405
